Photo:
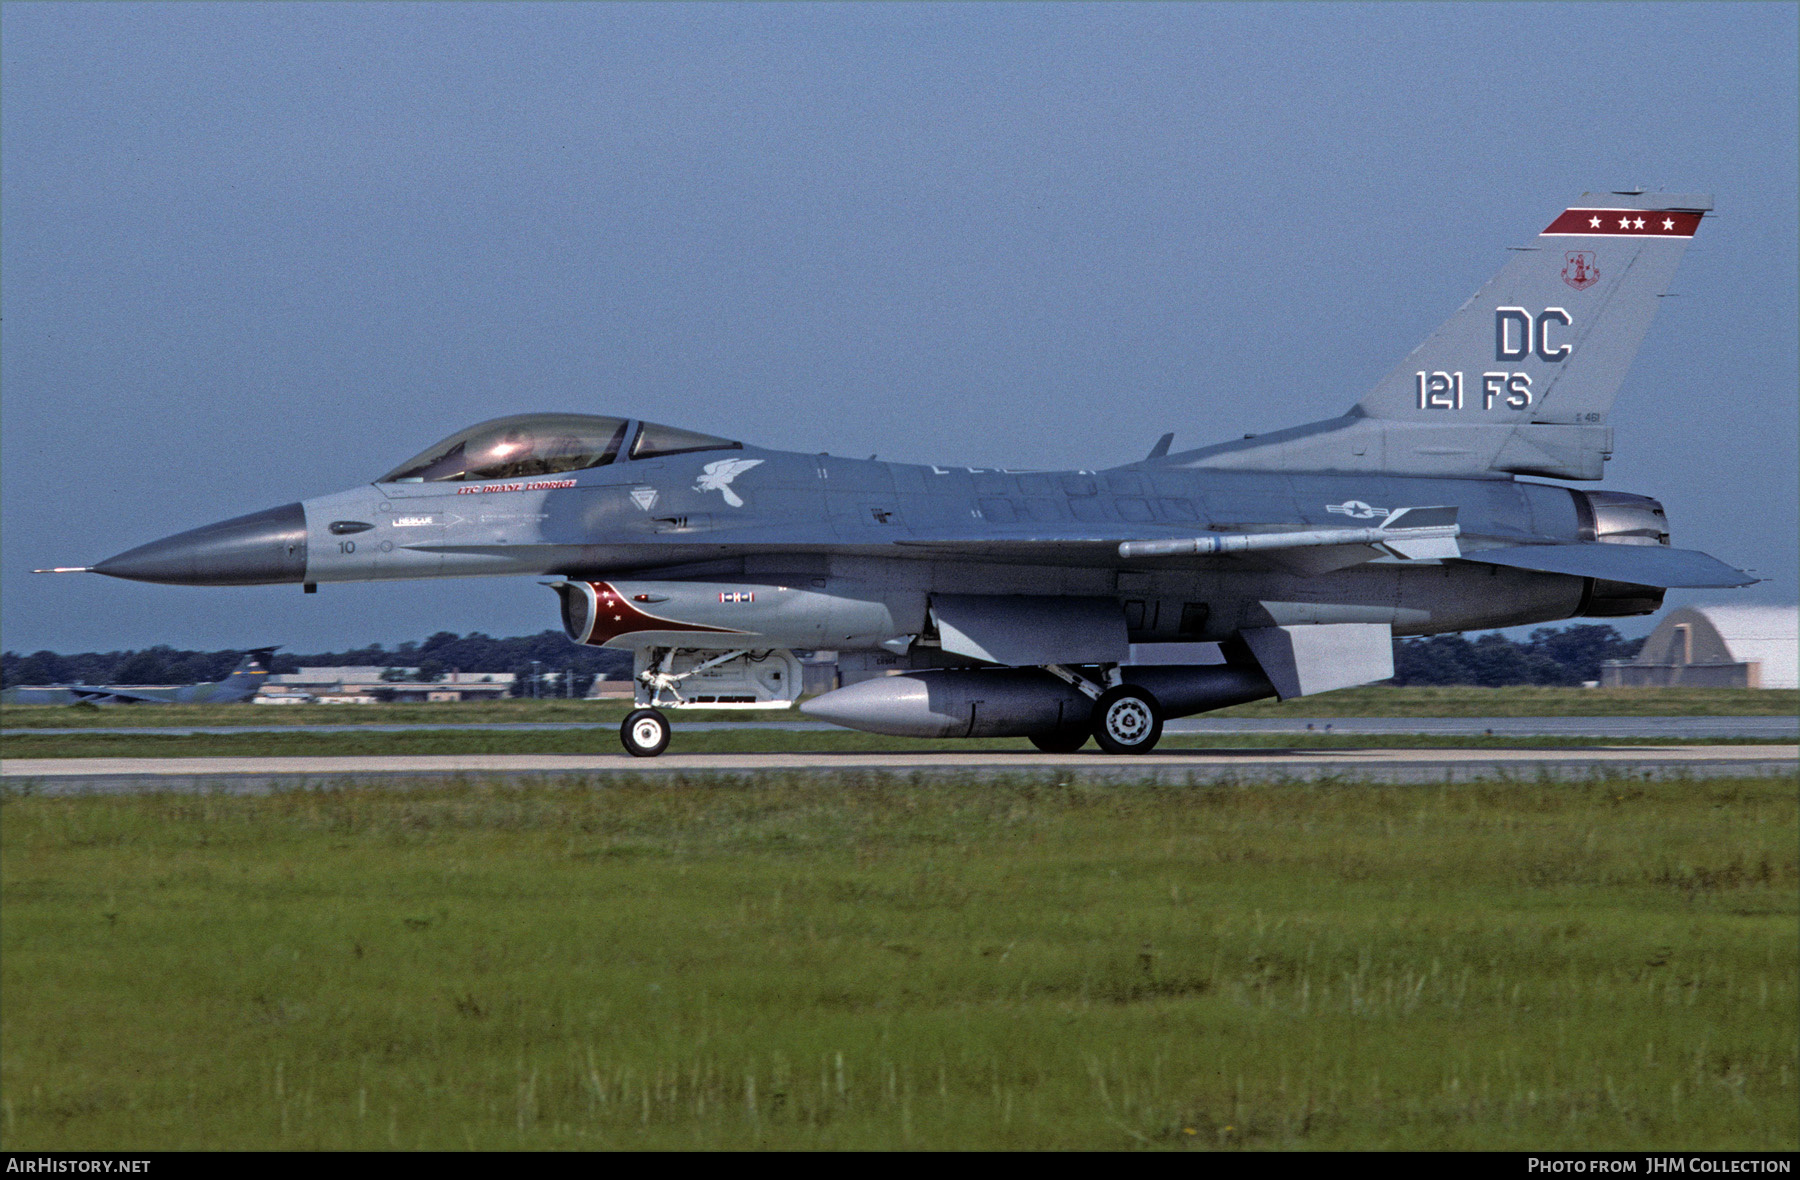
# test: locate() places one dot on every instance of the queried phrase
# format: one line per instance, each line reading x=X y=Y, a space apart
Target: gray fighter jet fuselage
x=1055 y=604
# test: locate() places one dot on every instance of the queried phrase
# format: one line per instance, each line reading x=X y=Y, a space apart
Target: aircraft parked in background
x=1059 y=605
x=241 y=685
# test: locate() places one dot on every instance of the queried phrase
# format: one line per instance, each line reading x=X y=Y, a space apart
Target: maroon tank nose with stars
x=614 y=615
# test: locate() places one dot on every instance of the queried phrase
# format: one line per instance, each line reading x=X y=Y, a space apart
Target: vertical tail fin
x=1521 y=379
x=1548 y=339
x=252 y=670
x=257 y=659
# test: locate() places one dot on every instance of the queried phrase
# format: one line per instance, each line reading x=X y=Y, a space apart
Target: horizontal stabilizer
x=1642 y=565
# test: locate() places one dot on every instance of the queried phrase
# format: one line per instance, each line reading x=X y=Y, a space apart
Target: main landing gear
x=645 y=733
x=1126 y=719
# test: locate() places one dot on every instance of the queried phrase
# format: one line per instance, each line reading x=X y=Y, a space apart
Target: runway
x=1772 y=728
x=68 y=776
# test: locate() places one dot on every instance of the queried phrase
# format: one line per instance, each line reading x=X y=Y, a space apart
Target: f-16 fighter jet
x=1058 y=605
x=240 y=685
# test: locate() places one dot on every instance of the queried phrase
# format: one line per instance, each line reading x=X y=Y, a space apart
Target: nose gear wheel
x=645 y=733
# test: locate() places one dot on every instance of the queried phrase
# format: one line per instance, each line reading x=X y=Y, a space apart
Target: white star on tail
x=717 y=477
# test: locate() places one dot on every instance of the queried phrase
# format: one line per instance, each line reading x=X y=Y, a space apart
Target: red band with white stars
x=1636 y=223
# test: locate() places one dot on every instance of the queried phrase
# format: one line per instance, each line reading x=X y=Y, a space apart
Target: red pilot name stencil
x=536 y=485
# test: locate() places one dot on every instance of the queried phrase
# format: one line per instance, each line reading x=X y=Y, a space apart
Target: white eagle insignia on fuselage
x=717 y=477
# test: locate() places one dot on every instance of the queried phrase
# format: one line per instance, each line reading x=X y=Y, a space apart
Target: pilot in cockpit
x=545 y=444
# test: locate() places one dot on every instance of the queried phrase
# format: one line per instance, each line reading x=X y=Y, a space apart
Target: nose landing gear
x=645 y=733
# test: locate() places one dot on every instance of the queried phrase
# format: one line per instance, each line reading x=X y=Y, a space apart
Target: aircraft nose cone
x=258 y=549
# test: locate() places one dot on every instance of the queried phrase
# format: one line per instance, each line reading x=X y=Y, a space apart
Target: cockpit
x=546 y=444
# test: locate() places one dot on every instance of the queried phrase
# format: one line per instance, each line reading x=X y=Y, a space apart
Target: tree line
x=435 y=658
x=1550 y=656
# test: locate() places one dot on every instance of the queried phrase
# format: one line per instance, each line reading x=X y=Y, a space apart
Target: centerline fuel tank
x=1018 y=702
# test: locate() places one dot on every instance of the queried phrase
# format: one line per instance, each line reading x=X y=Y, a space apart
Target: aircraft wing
x=114 y=696
x=1642 y=565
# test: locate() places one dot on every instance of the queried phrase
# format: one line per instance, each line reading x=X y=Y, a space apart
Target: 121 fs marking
x=1517 y=336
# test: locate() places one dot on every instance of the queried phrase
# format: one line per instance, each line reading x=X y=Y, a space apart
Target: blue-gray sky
x=251 y=253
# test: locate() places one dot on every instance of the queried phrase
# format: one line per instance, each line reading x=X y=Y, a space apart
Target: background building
x=366 y=684
x=1715 y=647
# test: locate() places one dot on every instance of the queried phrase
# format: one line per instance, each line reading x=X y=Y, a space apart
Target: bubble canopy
x=542 y=444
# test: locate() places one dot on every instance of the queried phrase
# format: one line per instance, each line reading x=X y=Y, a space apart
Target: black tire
x=645 y=733
x=1060 y=741
x=1127 y=720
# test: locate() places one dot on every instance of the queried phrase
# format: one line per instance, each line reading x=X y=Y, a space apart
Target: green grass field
x=868 y=962
x=1375 y=701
